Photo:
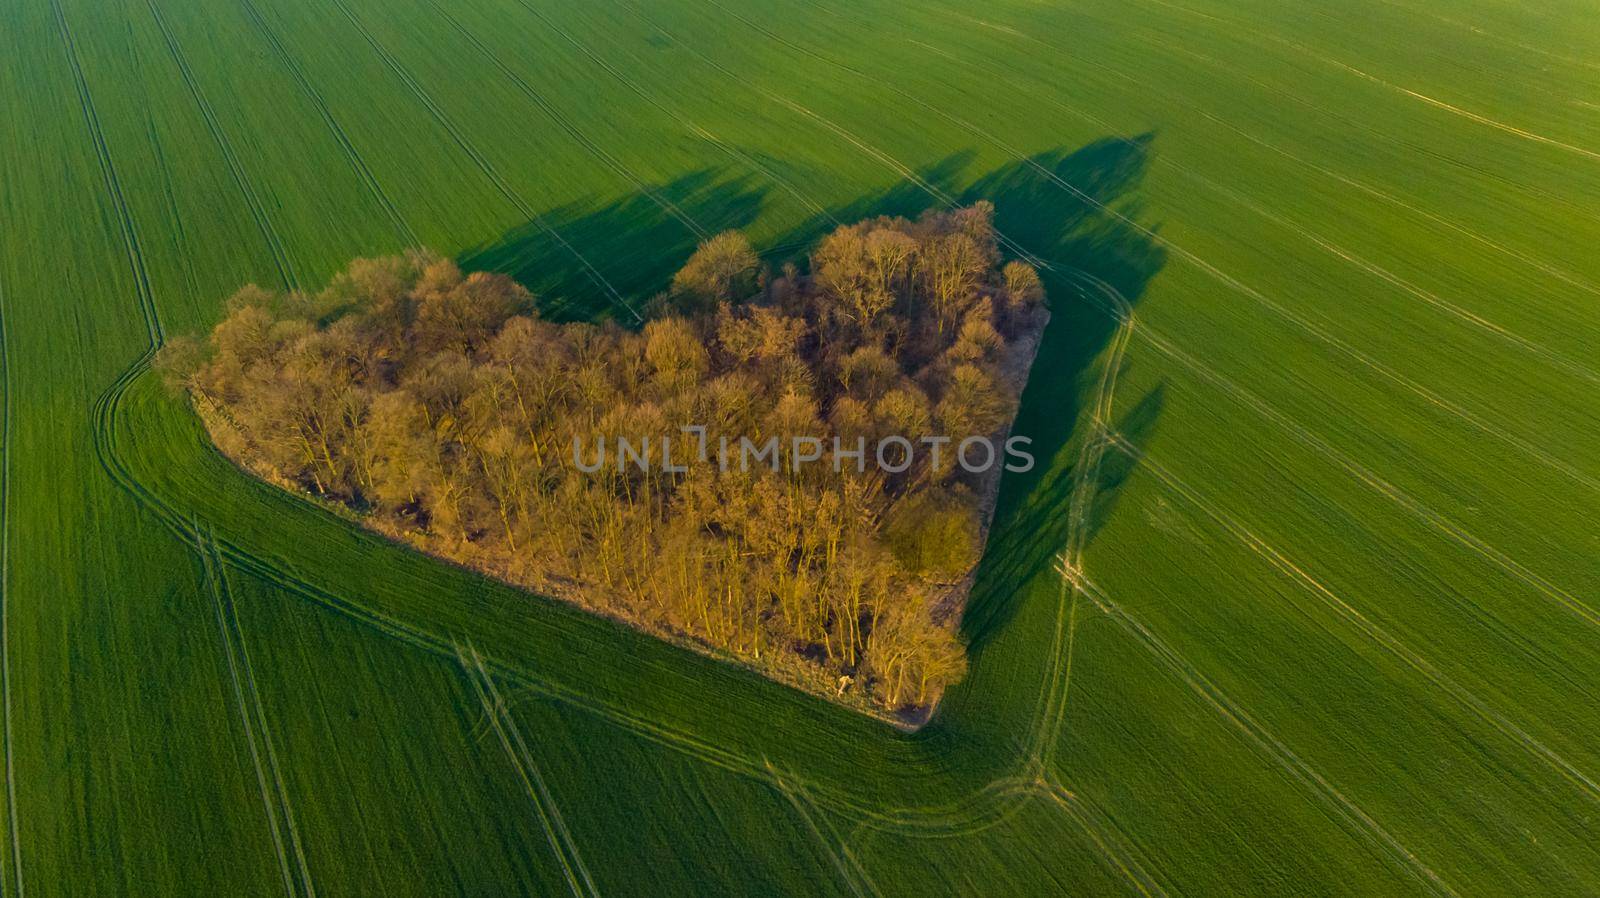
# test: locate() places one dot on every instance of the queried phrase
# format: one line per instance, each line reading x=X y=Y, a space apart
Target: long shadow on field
x=155 y=447
x=1073 y=234
x=638 y=244
x=635 y=242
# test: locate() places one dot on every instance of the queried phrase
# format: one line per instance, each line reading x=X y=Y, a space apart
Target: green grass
x=1337 y=625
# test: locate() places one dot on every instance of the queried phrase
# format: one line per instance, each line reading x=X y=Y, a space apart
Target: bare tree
x=441 y=405
x=723 y=269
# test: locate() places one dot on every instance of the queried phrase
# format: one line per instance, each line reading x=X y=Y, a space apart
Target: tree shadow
x=634 y=242
x=637 y=244
x=1073 y=233
x=1067 y=227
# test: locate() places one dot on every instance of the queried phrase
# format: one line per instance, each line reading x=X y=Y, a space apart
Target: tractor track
x=352 y=155
x=258 y=211
x=482 y=162
x=246 y=718
x=1532 y=347
x=693 y=127
x=6 y=726
x=1301 y=321
x=498 y=714
x=573 y=131
x=108 y=171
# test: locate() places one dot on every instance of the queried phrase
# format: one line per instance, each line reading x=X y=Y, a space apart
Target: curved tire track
x=108 y=408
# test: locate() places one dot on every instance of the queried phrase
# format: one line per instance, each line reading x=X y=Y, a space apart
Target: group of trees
x=442 y=407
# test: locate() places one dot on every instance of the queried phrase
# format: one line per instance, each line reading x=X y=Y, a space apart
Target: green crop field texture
x=1303 y=596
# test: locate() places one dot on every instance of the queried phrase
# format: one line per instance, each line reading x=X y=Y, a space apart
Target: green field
x=1304 y=597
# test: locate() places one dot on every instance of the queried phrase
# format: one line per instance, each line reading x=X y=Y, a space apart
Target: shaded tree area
x=444 y=409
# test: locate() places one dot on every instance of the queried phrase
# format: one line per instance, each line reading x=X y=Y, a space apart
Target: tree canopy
x=442 y=408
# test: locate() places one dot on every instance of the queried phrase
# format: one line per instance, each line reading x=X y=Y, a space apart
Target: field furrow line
x=1436 y=103
x=499 y=718
x=695 y=128
x=7 y=397
x=1309 y=53
x=1300 y=321
x=1353 y=124
x=1478 y=422
x=1105 y=837
x=850 y=870
x=1269 y=744
x=108 y=172
x=1534 y=348
x=104 y=415
x=1085 y=487
x=1438 y=521
x=1366 y=626
x=1056 y=725
x=214 y=588
x=985 y=23
x=975 y=812
x=1050 y=706
x=863 y=878
x=482 y=162
x=1061 y=645
x=893 y=164
x=572 y=130
x=538 y=778
x=1560 y=274
x=873 y=152
x=352 y=155
x=1566 y=277
x=970 y=813
x=285 y=804
x=1494 y=36
x=257 y=210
